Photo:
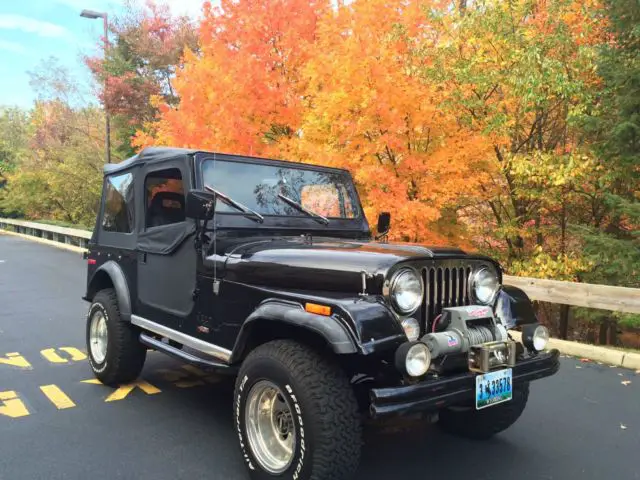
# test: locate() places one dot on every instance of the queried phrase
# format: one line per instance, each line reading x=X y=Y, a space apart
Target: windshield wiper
x=255 y=216
x=316 y=216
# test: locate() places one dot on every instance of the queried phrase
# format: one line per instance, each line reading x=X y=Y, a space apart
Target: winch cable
x=479 y=334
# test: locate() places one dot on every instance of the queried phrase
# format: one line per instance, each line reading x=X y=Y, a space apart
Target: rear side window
x=118 y=204
x=165 y=202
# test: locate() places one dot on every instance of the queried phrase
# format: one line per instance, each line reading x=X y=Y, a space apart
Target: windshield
x=257 y=186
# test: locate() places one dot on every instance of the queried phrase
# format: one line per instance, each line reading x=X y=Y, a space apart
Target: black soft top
x=151 y=155
x=146 y=156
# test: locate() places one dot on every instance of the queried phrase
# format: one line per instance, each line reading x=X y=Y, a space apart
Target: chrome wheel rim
x=98 y=336
x=270 y=430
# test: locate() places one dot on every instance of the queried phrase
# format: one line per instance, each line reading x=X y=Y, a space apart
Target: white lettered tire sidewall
x=270 y=370
x=98 y=368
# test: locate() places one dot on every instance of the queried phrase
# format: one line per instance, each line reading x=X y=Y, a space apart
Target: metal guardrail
x=606 y=297
x=70 y=236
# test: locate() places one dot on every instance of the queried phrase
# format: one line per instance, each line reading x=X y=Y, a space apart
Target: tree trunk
x=564 y=322
x=602 y=335
x=613 y=333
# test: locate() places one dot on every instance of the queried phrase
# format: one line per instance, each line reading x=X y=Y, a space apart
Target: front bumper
x=432 y=395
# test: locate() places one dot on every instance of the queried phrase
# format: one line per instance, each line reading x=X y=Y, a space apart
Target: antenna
x=215 y=236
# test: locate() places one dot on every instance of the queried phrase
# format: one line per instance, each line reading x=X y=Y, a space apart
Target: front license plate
x=493 y=388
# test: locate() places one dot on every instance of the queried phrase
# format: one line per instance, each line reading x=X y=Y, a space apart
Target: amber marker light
x=319 y=309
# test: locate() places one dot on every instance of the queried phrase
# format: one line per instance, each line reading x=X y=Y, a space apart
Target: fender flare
x=514 y=307
x=334 y=332
x=120 y=285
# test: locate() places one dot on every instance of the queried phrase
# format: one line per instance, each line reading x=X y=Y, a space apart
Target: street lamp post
x=94 y=15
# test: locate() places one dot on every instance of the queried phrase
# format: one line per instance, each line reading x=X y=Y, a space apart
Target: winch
x=473 y=330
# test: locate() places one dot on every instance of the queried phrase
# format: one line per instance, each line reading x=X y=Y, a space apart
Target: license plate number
x=493 y=388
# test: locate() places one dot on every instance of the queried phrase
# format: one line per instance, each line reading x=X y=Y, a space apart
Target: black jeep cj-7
x=267 y=270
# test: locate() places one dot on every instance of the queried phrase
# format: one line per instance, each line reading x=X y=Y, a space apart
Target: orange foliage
x=243 y=90
x=299 y=80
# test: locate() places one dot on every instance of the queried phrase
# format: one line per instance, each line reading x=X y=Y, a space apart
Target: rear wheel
x=296 y=415
x=116 y=355
x=485 y=423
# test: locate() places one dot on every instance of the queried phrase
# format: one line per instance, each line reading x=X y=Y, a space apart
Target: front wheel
x=296 y=415
x=482 y=424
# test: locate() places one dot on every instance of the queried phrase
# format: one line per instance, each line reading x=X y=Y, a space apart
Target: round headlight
x=540 y=338
x=406 y=291
x=418 y=360
x=484 y=286
x=411 y=328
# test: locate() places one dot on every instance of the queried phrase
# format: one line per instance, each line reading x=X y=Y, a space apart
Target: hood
x=325 y=264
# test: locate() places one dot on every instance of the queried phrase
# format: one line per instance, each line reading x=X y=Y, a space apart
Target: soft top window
x=164 y=198
x=257 y=186
x=118 y=204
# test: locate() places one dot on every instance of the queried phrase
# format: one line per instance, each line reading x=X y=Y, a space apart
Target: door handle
x=142 y=257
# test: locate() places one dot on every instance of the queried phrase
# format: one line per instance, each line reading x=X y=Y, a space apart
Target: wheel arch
x=111 y=275
x=278 y=319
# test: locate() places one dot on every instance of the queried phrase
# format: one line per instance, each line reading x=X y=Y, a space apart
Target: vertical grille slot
x=444 y=287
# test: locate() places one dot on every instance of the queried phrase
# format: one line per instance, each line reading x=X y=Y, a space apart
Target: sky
x=33 y=30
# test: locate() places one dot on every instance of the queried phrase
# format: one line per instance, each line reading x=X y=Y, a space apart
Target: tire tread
x=324 y=384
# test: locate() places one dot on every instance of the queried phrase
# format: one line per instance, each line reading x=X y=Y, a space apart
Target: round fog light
x=411 y=328
x=540 y=337
x=418 y=360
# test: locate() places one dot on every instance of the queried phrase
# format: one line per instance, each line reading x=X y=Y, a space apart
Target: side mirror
x=200 y=205
x=384 y=222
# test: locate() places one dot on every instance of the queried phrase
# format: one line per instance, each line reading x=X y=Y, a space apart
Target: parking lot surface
x=56 y=422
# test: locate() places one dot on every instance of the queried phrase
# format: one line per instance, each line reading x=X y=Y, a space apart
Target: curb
x=597 y=353
x=45 y=241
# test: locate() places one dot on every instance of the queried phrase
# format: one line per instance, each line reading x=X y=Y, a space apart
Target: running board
x=186 y=356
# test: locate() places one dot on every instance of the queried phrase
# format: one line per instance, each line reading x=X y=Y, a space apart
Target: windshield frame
x=357 y=222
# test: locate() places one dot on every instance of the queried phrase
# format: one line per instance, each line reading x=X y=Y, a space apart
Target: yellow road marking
x=11 y=405
x=123 y=390
x=194 y=370
x=76 y=355
x=171 y=375
x=52 y=355
x=189 y=383
x=57 y=397
x=185 y=380
x=15 y=360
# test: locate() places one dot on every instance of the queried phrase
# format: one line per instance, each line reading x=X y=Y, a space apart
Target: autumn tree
x=520 y=73
x=368 y=109
x=243 y=92
x=144 y=54
x=60 y=177
x=14 y=130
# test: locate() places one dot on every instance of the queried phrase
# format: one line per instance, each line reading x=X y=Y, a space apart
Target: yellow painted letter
x=57 y=397
x=11 y=405
x=15 y=360
x=54 y=357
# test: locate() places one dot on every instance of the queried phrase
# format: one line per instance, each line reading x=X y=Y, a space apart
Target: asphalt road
x=583 y=423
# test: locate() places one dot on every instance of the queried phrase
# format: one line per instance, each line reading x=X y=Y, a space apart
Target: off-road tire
x=125 y=355
x=483 y=424
x=326 y=412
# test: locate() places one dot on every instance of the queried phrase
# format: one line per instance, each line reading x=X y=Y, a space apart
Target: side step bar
x=185 y=356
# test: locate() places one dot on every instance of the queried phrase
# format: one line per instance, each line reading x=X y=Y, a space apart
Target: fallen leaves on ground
x=626 y=382
x=585 y=360
x=623 y=427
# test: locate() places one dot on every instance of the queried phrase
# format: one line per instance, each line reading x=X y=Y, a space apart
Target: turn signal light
x=318 y=309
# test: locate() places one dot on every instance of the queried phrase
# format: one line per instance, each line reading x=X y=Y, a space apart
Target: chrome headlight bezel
x=473 y=280
x=393 y=285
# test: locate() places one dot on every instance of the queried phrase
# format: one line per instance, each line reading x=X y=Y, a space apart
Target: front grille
x=444 y=286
